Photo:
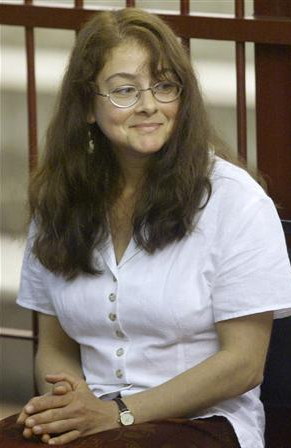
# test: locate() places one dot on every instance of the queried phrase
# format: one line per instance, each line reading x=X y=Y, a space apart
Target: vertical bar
x=130 y=3
x=241 y=108
x=273 y=109
x=78 y=4
x=184 y=11
x=32 y=140
x=184 y=7
x=31 y=95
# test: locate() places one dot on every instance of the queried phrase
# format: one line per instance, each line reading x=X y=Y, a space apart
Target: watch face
x=126 y=418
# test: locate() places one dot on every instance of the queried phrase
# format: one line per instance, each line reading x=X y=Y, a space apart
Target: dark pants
x=214 y=432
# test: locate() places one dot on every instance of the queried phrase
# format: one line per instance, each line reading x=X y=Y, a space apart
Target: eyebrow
x=121 y=75
x=132 y=76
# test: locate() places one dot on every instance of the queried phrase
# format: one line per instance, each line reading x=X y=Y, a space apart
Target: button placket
x=119 y=362
x=112 y=297
x=112 y=317
x=119 y=334
x=120 y=352
x=119 y=373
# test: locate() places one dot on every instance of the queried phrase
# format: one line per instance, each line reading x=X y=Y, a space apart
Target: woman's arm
x=236 y=368
x=56 y=352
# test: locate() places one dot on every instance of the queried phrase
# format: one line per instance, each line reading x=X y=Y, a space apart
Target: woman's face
x=141 y=129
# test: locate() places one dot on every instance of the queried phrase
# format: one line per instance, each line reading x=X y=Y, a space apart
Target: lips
x=147 y=127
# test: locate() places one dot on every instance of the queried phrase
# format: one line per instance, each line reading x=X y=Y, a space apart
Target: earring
x=91 y=143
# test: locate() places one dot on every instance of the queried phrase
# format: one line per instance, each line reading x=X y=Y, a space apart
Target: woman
x=154 y=264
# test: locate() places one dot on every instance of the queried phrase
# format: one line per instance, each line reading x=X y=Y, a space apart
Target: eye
x=165 y=87
x=124 y=91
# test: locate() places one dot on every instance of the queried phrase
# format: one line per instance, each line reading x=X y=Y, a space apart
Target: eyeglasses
x=127 y=96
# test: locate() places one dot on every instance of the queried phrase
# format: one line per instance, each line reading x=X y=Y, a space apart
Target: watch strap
x=121 y=405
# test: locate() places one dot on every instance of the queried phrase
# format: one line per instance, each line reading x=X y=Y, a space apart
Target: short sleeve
x=33 y=293
x=254 y=272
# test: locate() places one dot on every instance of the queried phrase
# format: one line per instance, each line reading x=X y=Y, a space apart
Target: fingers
x=56 y=427
x=61 y=388
x=27 y=433
x=37 y=404
x=45 y=402
x=45 y=438
x=48 y=416
x=64 y=438
x=73 y=381
x=22 y=417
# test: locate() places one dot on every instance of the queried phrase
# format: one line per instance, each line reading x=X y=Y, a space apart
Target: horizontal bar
x=268 y=30
x=247 y=29
x=16 y=333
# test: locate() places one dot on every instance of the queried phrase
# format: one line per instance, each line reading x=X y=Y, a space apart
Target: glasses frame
x=138 y=94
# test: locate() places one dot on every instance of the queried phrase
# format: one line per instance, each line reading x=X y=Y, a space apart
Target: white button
x=112 y=317
x=120 y=351
x=114 y=278
x=112 y=297
x=119 y=373
x=119 y=334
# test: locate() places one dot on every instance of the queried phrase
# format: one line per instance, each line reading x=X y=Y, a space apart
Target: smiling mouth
x=148 y=127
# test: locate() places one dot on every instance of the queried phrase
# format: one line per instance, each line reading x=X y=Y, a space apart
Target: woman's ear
x=91 y=117
x=91 y=113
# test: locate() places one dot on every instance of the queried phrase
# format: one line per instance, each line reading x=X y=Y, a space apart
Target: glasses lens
x=124 y=96
x=166 y=91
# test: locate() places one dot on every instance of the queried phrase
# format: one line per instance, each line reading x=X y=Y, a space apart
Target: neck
x=133 y=171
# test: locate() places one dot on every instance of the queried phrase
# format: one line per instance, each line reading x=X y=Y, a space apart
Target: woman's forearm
x=235 y=369
x=50 y=360
x=56 y=352
x=217 y=379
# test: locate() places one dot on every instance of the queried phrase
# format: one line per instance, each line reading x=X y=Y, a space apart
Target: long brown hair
x=73 y=188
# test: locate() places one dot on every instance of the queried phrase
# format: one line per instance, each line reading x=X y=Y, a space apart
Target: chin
x=149 y=148
x=148 y=151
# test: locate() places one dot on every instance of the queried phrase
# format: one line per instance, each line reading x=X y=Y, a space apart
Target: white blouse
x=151 y=317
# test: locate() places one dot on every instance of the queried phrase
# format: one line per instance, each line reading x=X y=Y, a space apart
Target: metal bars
x=32 y=132
x=241 y=108
x=184 y=11
x=31 y=94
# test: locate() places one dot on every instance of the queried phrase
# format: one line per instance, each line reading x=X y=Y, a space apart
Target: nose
x=146 y=102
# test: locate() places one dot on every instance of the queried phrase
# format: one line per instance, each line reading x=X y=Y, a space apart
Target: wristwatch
x=125 y=416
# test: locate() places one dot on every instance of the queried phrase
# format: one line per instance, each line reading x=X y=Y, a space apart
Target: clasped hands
x=69 y=411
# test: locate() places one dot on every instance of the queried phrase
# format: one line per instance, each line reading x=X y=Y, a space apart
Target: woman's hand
x=71 y=414
x=58 y=388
